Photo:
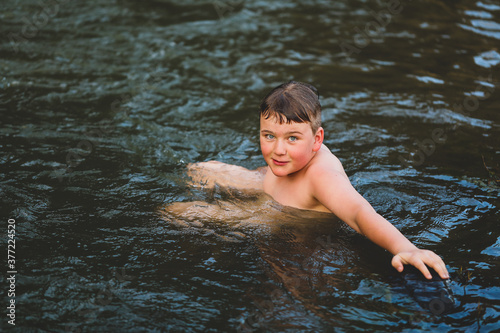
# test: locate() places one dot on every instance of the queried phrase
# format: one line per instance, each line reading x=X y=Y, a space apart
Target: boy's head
x=293 y=102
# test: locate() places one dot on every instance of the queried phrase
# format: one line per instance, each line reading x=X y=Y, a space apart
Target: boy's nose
x=280 y=148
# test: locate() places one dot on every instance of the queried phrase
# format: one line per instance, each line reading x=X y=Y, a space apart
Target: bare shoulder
x=326 y=163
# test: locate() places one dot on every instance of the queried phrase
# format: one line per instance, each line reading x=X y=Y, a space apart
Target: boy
x=302 y=172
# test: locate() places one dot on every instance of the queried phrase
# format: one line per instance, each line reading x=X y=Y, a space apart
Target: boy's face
x=288 y=148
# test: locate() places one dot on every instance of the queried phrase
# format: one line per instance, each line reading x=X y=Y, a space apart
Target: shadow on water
x=104 y=104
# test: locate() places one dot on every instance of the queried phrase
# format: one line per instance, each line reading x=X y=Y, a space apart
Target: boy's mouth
x=279 y=163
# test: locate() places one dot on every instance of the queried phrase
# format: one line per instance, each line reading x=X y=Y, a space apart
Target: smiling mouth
x=279 y=162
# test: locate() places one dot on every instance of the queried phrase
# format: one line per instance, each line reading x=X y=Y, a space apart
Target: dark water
x=103 y=103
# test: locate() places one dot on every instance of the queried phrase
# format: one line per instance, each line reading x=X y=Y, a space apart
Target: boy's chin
x=279 y=172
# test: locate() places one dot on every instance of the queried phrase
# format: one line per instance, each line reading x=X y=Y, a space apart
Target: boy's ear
x=318 y=139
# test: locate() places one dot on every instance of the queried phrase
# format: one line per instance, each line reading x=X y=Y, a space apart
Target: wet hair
x=293 y=102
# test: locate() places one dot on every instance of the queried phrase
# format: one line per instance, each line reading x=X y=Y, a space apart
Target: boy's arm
x=334 y=190
x=207 y=174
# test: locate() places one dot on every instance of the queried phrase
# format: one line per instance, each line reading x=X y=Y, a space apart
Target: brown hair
x=293 y=102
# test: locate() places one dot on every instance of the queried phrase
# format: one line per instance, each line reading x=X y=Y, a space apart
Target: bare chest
x=291 y=192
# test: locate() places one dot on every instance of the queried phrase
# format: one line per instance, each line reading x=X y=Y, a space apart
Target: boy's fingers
x=438 y=264
x=423 y=268
x=421 y=261
x=397 y=263
x=418 y=263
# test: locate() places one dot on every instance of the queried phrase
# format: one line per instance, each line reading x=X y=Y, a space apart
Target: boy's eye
x=292 y=138
x=269 y=136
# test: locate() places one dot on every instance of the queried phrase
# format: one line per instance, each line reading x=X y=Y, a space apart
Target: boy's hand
x=419 y=259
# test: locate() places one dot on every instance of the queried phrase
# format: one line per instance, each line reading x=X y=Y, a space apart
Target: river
x=103 y=105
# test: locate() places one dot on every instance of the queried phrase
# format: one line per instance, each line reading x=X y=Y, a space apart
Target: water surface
x=104 y=103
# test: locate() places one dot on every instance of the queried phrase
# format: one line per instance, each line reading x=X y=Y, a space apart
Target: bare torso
x=295 y=189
